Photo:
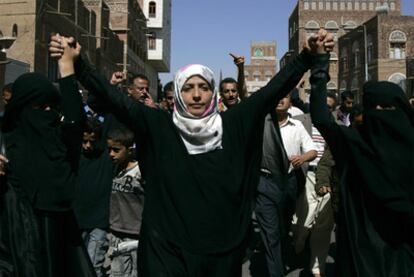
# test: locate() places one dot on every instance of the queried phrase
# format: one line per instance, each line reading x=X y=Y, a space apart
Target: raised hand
x=320 y=43
x=149 y=102
x=238 y=60
x=117 y=77
x=66 y=51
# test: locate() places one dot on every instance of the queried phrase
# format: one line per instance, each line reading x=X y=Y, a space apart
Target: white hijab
x=200 y=134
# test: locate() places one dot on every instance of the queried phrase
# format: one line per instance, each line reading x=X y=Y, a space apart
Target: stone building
x=32 y=23
x=262 y=67
x=377 y=50
x=158 y=13
x=336 y=16
x=108 y=46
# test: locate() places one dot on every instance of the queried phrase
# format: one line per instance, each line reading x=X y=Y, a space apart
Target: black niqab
x=377 y=224
x=34 y=143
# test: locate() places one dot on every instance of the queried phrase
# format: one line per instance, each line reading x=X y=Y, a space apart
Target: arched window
x=399 y=79
x=398 y=41
x=331 y=86
x=312 y=25
x=356 y=54
x=152 y=41
x=349 y=25
x=331 y=25
x=14 y=30
x=152 y=9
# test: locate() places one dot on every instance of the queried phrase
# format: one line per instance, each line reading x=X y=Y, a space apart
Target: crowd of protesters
x=107 y=182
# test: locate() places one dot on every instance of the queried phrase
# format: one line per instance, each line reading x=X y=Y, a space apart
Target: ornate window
x=331 y=85
x=331 y=25
x=397 y=41
x=258 y=52
x=349 y=25
x=399 y=79
x=312 y=25
x=152 y=9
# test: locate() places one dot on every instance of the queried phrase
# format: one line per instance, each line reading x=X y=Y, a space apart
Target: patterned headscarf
x=200 y=134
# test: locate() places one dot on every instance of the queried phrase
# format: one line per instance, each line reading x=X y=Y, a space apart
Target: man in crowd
x=284 y=152
x=341 y=114
x=232 y=91
x=169 y=96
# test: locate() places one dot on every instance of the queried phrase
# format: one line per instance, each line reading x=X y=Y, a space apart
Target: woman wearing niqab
x=42 y=135
x=376 y=166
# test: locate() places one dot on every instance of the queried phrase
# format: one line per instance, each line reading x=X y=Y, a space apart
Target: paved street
x=256 y=266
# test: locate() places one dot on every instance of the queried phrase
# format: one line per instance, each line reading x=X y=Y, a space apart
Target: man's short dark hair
x=8 y=87
x=347 y=94
x=123 y=136
x=356 y=110
x=138 y=76
x=169 y=87
x=93 y=125
x=332 y=96
x=227 y=81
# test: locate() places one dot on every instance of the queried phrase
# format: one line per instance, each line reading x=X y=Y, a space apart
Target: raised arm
x=132 y=113
x=71 y=102
x=265 y=99
x=241 y=84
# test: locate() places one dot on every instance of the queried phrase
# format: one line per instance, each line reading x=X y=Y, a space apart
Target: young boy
x=127 y=201
x=94 y=189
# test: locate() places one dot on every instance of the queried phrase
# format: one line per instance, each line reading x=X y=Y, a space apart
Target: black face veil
x=32 y=133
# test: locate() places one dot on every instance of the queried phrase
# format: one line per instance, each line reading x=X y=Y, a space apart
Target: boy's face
x=88 y=142
x=283 y=105
x=119 y=153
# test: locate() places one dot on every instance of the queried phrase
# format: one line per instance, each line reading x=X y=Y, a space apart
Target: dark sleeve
x=297 y=102
x=250 y=112
x=321 y=117
x=133 y=114
x=324 y=170
x=73 y=117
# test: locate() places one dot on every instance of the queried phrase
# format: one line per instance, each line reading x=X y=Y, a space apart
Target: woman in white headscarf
x=201 y=167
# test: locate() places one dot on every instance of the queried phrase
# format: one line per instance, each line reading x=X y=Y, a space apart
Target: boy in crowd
x=91 y=205
x=127 y=202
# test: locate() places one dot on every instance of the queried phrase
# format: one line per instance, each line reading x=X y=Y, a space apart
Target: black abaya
x=376 y=166
x=39 y=236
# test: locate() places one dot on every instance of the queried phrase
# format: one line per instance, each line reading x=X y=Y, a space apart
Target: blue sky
x=205 y=31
